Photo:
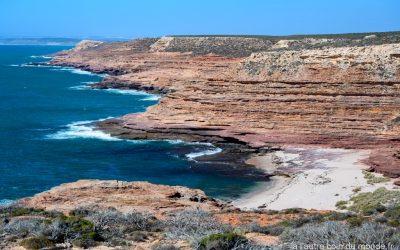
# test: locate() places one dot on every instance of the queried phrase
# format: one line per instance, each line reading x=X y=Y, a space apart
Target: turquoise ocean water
x=46 y=136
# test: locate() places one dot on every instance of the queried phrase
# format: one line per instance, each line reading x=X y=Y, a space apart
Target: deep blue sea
x=46 y=136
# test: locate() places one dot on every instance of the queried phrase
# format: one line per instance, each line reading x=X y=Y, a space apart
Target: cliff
x=259 y=92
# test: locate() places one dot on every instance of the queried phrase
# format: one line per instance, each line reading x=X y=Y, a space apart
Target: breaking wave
x=192 y=156
x=32 y=65
x=76 y=71
x=44 y=57
x=146 y=96
x=82 y=130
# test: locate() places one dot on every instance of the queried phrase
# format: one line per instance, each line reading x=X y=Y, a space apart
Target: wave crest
x=192 y=156
x=44 y=57
x=82 y=130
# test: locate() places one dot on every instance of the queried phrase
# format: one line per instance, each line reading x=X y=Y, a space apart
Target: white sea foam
x=174 y=142
x=87 y=130
x=85 y=86
x=192 y=156
x=74 y=71
x=6 y=202
x=79 y=87
x=44 y=57
x=81 y=129
x=151 y=98
x=147 y=96
x=22 y=65
x=33 y=65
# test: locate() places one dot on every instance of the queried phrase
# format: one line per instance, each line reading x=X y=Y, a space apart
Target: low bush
x=16 y=210
x=393 y=213
x=165 y=247
x=341 y=205
x=355 y=221
x=373 y=179
x=24 y=226
x=371 y=202
x=36 y=243
x=111 y=219
x=294 y=210
x=273 y=230
x=298 y=222
x=224 y=241
x=86 y=240
x=337 y=216
x=138 y=236
x=192 y=225
x=336 y=233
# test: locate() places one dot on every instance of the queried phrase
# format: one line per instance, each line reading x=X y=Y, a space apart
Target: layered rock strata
x=339 y=93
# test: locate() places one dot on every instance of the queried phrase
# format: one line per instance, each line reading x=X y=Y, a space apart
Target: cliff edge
x=336 y=91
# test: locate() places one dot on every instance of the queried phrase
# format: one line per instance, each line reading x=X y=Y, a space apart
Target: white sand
x=322 y=177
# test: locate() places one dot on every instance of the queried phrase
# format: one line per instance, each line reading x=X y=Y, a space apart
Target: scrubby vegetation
x=241 y=46
x=81 y=228
x=377 y=201
x=333 y=233
x=373 y=179
x=315 y=229
x=88 y=227
x=341 y=204
x=197 y=229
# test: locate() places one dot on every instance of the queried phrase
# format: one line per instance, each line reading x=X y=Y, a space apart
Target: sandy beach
x=318 y=179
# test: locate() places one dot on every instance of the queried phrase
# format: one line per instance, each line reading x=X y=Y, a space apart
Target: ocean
x=47 y=137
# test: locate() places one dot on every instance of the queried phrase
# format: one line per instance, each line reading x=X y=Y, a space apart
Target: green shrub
x=298 y=222
x=273 y=230
x=35 y=243
x=356 y=189
x=336 y=216
x=77 y=224
x=221 y=241
x=86 y=240
x=373 y=179
x=294 y=210
x=19 y=211
x=393 y=213
x=341 y=205
x=371 y=202
x=354 y=221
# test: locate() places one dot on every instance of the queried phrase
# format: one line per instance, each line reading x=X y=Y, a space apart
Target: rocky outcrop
x=332 y=96
x=334 y=65
x=86 y=44
x=158 y=200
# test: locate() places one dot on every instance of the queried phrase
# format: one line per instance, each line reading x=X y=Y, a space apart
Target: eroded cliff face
x=340 y=93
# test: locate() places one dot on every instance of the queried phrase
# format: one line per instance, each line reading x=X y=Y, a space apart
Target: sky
x=153 y=18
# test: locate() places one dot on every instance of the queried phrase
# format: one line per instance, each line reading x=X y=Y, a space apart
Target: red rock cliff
x=327 y=92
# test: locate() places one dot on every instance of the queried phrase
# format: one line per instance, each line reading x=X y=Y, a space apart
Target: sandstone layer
x=159 y=200
x=258 y=93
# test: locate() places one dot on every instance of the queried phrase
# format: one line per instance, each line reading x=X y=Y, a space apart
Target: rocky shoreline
x=231 y=161
x=326 y=93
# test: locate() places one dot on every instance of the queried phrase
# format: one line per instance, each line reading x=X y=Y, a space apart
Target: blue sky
x=149 y=18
